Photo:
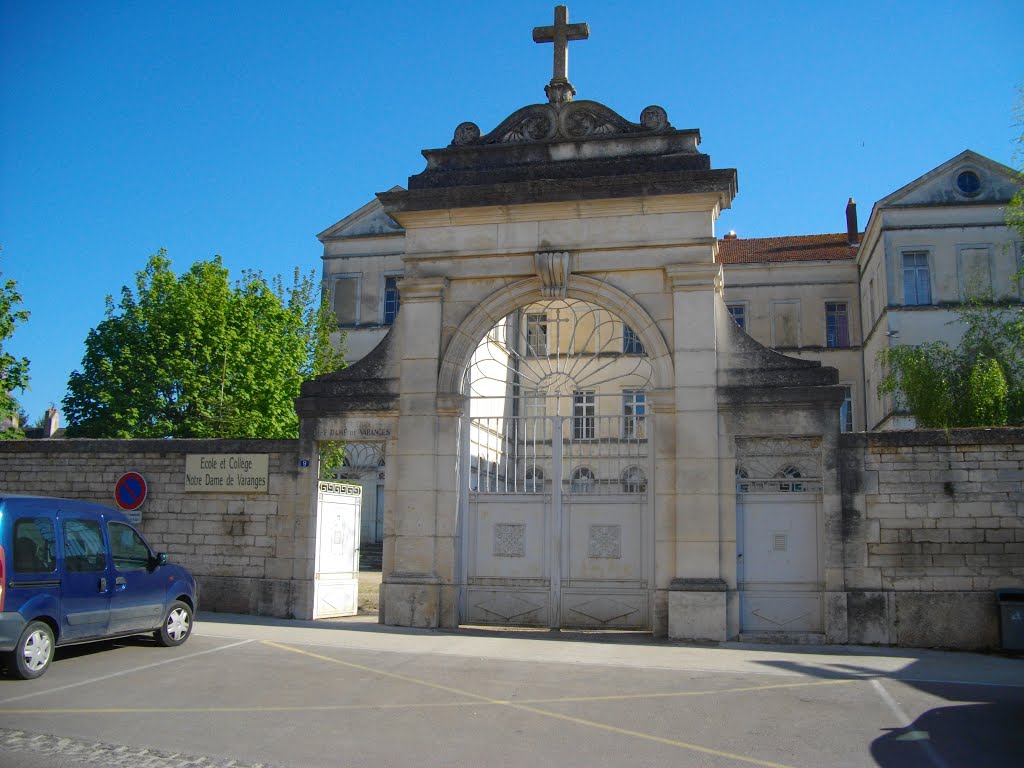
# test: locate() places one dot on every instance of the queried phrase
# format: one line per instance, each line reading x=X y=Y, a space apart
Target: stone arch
x=508 y=299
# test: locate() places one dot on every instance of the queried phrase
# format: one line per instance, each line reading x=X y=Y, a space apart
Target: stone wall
x=251 y=552
x=933 y=523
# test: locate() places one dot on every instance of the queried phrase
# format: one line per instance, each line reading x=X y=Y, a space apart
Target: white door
x=336 y=568
x=778 y=572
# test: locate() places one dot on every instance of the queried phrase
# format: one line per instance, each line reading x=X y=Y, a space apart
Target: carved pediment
x=966 y=178
x=369 y=220
x=570 y=121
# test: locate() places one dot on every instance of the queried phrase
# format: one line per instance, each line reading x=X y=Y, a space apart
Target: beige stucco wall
x=251 y=552
x=762 y=289
x=372 y=258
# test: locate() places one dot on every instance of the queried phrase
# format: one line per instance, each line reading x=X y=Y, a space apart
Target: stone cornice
x=694 y=277
x=719 y=183
x=567 y=209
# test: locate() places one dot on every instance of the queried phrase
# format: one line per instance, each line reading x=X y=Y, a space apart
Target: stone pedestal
x=411 y=601
x=696 y=610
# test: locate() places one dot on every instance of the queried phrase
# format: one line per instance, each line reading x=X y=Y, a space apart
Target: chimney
x=52 y=422
x=731 y=235
x=852 y=233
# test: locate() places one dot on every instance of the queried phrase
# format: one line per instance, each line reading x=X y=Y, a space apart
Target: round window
x=968 y=183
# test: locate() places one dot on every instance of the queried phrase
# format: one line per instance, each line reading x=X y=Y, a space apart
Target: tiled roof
x=756 y=250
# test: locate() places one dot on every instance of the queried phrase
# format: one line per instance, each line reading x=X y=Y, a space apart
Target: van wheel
x=32 y=655
x=177 y=625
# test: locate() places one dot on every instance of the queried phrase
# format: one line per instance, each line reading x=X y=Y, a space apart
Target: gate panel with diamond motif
x=557 y=463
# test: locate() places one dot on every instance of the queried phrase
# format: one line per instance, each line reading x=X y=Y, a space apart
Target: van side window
x=83 y=546
x=34 y=545
x=127 y=548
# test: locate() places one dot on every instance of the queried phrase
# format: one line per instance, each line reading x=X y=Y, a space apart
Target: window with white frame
x=738 y=312
x=846 y=410
x=583 y=480
x=534 y=480
x=583 y=413
x=917 y=286
x=634 y=480
x=634 y=414
x=391 y=300
x=742 y=480
x=345 y=298
x=787 y=475
x=631 y=344
x=534 y=405
x=837 y=324
x=537 y=334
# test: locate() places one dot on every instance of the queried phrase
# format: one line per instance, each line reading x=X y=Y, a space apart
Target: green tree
x=13 y=372
x=194 y=356
x=978 y=383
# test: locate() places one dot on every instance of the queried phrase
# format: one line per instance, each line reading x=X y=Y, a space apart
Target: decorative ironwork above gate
x=774 y=465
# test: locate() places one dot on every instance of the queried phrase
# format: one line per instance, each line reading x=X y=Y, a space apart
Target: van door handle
x=103 y=584
x=120 y=583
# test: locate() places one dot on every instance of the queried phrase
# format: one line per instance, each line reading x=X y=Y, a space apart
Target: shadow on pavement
x=986 y=734
x=986 y=730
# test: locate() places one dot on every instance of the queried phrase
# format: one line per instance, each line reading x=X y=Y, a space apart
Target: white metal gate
x=557 y=469
x=336 y=567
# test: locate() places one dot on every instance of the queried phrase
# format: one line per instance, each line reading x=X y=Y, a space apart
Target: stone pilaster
x=695 y=612
x=412 y=591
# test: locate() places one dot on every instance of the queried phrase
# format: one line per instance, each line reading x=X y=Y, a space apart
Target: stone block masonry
x=252 y=553
x=933 y=524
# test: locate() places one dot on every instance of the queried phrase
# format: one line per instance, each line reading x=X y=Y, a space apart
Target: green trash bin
x=1011 y=618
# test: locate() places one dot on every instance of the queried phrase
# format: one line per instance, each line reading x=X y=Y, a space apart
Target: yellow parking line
x=543 y=712
x=683 y=694
x=233 y=710
x=525 y=705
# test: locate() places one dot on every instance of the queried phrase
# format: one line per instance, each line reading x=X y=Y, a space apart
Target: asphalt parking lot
x=250 y=692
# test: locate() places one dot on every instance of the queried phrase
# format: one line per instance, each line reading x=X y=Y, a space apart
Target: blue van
x=71 y=572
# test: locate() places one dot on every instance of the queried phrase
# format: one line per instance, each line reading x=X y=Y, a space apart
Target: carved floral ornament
x=562 y=121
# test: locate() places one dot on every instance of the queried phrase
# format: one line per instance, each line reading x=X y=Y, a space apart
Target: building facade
x=837 y=298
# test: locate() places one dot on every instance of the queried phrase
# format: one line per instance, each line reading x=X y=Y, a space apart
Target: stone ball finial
x=654 y=118
x=466 y=133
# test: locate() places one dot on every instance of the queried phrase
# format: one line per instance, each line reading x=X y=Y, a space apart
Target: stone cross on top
x=560 y=89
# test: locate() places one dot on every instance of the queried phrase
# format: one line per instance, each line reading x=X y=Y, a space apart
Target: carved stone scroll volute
x=553 y=270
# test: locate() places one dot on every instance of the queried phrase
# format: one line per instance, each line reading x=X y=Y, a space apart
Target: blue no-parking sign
x=130 y=491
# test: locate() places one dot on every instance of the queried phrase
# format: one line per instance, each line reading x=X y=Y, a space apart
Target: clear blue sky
x=244 y=128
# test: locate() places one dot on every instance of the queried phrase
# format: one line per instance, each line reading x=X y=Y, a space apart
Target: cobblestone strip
x=111 y=755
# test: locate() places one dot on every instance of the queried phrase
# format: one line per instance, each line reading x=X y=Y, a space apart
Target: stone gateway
x=566 y=401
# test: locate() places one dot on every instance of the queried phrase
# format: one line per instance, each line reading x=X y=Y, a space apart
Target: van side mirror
x=161 y=558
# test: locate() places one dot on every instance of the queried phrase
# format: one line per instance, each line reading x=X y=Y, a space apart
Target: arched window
x=742 y=476
x=786 y=474
x=634 y=480
x=534 y=480
x=583 y=481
